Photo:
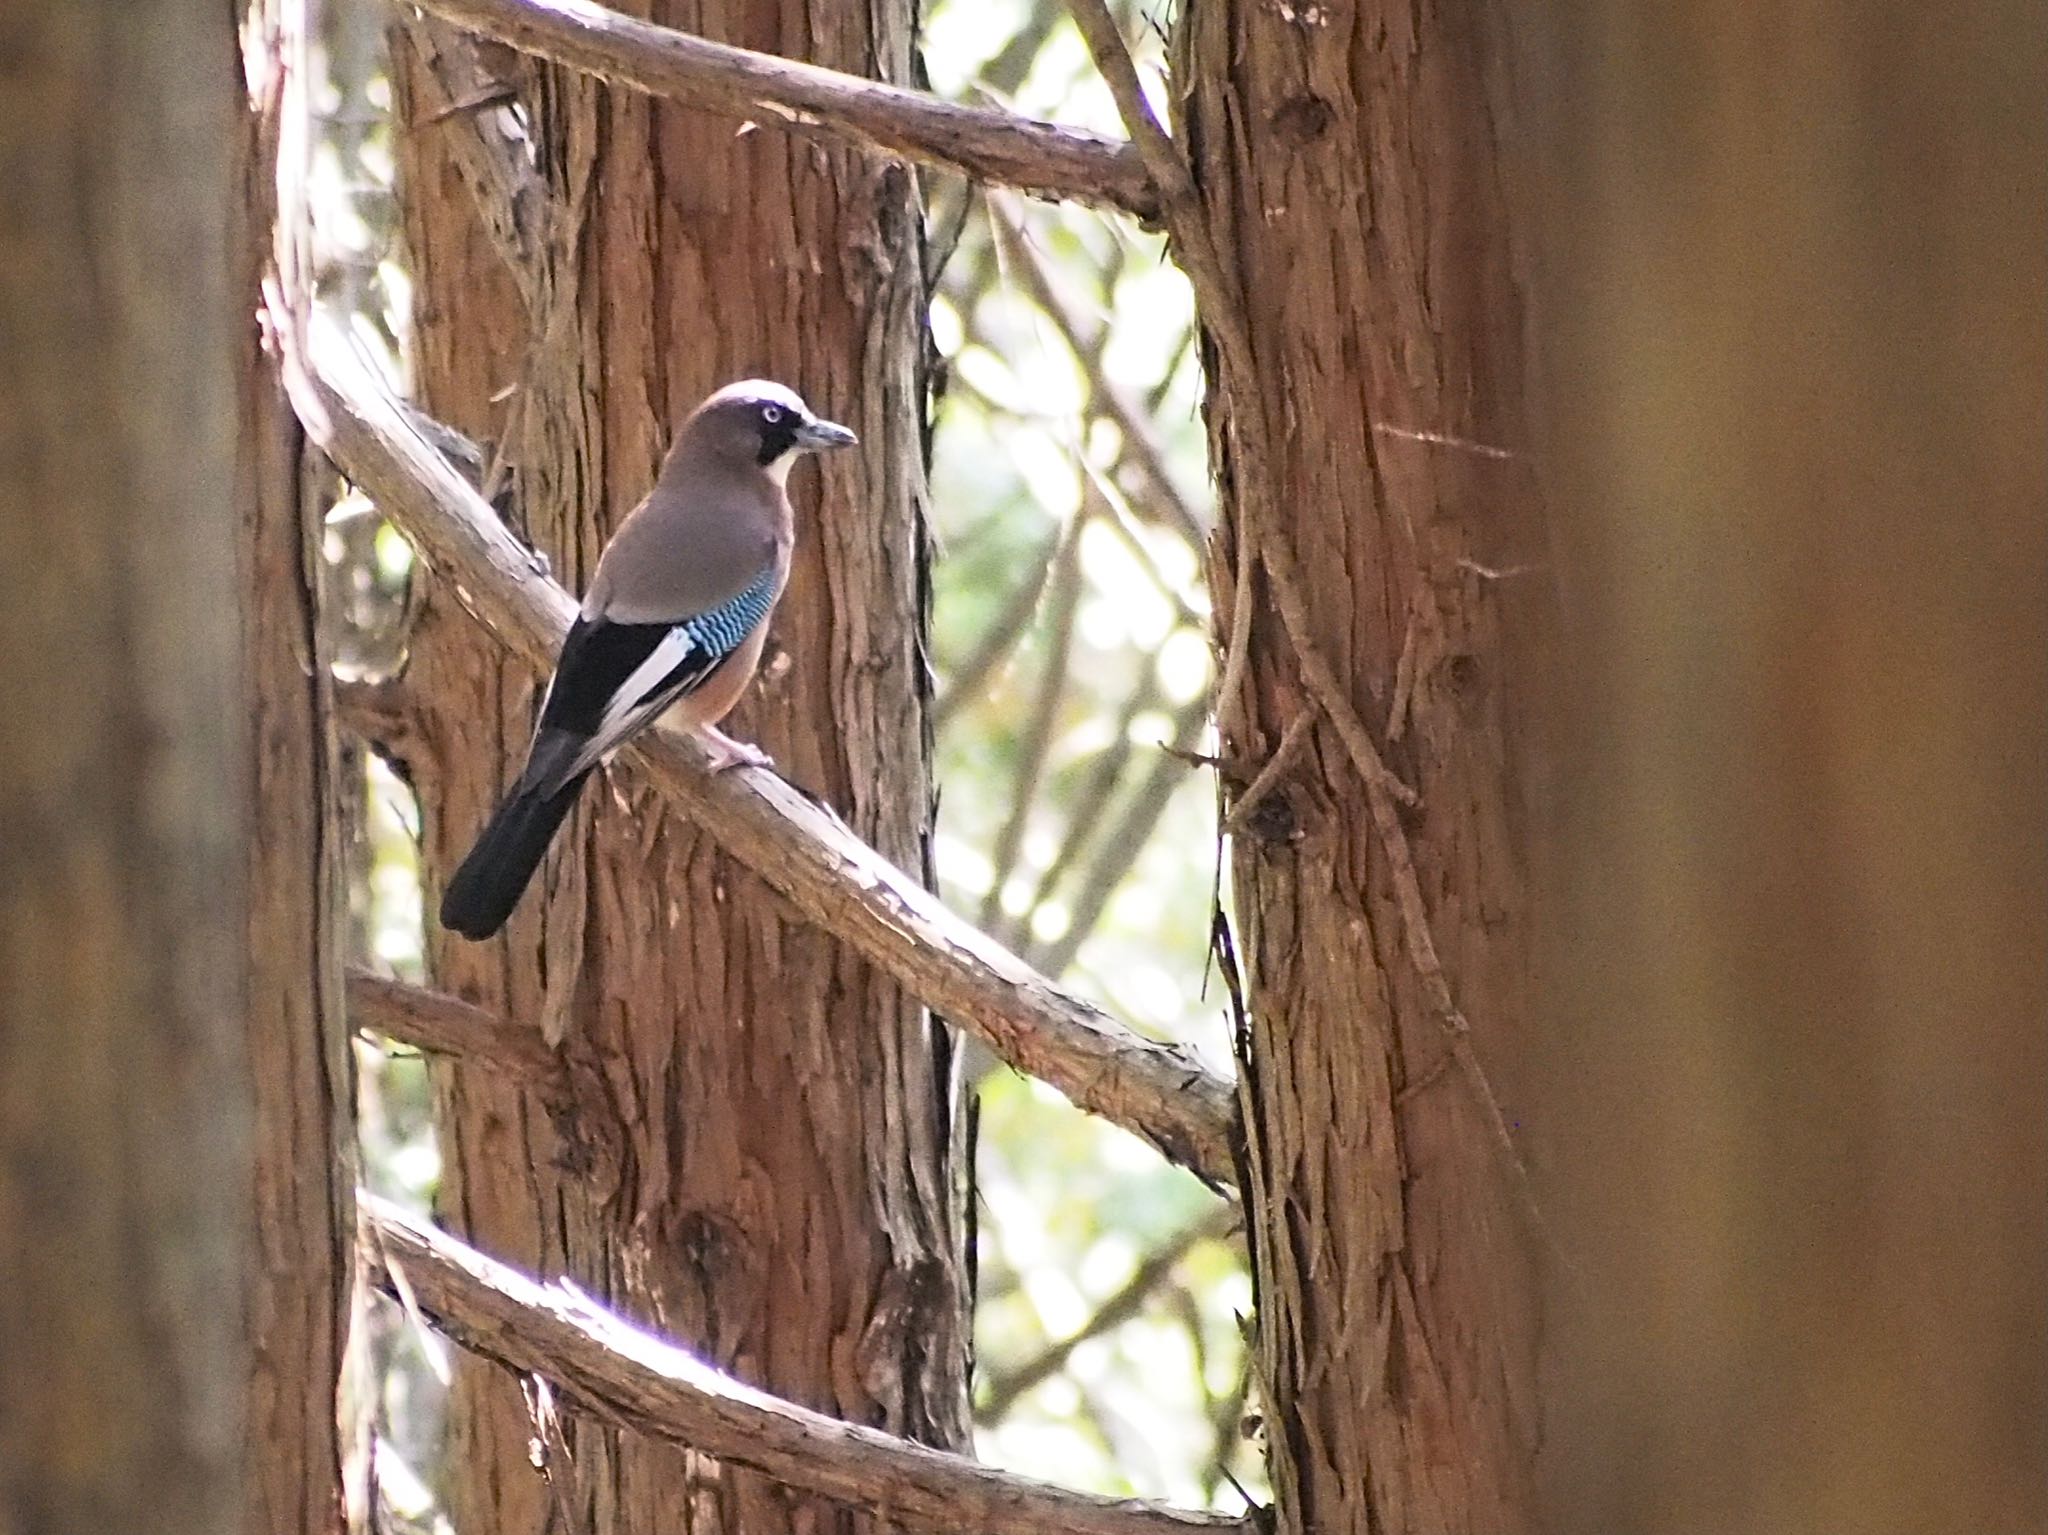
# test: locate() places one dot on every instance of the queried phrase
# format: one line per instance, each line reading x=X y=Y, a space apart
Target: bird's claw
x=726 y=753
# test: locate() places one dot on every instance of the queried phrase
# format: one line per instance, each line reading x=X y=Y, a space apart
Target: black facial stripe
x=777 y=438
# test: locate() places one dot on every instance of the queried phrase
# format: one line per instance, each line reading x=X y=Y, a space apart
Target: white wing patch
x=676 y=646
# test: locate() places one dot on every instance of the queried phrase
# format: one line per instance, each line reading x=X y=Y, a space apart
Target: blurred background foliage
x=1069 y=501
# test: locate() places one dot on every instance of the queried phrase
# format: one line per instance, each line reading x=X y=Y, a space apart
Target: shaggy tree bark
x=1348 y=168
x=760 y=1161
x=1800 y=406
x=300 y=1066
x=123 y=1156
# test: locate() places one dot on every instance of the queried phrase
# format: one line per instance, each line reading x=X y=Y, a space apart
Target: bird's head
x=762 y=423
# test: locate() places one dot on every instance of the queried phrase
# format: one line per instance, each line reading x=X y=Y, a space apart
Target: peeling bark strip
x=1044 y=159
x=1158 y=1092
x=639 y=1382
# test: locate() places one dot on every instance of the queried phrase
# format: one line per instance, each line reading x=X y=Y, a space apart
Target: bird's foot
x=727 y=753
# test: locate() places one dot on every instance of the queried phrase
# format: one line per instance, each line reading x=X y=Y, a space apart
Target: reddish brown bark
x=123 y=754
x=1349 y=165
x=300 y=1066
x=768 y=1175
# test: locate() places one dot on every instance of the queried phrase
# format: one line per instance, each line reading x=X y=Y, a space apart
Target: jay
x=672 y=625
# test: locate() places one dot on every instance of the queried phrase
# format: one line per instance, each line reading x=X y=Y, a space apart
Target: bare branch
x=1134 y=429
x=1085 y=812
x=1117 y=847
x=964 y=687
x=1159 y=1092
x=443 y=1025
x=635 y=1380
x=1063 y=606
x=1042 y=158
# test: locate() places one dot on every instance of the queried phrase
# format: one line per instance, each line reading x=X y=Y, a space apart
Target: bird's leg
x=728 y=753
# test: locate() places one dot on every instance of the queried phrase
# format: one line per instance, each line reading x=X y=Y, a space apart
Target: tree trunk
x=1349 y=162
x=761 y=1163
x=300 y=1066
x=1796 y=354
x=123 y=1157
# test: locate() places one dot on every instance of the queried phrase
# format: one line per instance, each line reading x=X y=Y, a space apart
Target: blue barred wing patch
x=725 y=628
x=686 y=654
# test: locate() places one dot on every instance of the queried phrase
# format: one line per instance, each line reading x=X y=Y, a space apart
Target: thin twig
x=1124 y=527
x=1036 y=743
x=630 y=1378
x=1218 y=300
x=1042 y=158
x=1321 y=680
x=964 y=687
x=1085 y=809
x=1404 y=668
x=1116 y=850
x=1133 y=429
x=1006 y=1389
x=1292 y=740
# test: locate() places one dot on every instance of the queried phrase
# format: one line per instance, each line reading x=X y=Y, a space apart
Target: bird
x=672 y=624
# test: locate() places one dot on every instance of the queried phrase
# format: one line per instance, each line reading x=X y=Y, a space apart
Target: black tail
x=480 y=897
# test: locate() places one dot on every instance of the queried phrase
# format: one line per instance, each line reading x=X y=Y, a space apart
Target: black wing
x=598 y=659
x=613 y=678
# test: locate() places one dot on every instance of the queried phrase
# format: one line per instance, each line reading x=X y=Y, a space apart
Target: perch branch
x=1159 y=1092
x=995 y=145
x=634 y=1380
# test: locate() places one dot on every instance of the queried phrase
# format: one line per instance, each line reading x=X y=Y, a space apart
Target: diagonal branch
x=637 y=1381
x=1042 y=158
x=1158 y=1092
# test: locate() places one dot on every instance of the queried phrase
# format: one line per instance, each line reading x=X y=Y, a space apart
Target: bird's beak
x=814 y=436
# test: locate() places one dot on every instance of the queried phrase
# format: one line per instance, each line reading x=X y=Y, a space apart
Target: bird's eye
x=771 y=414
